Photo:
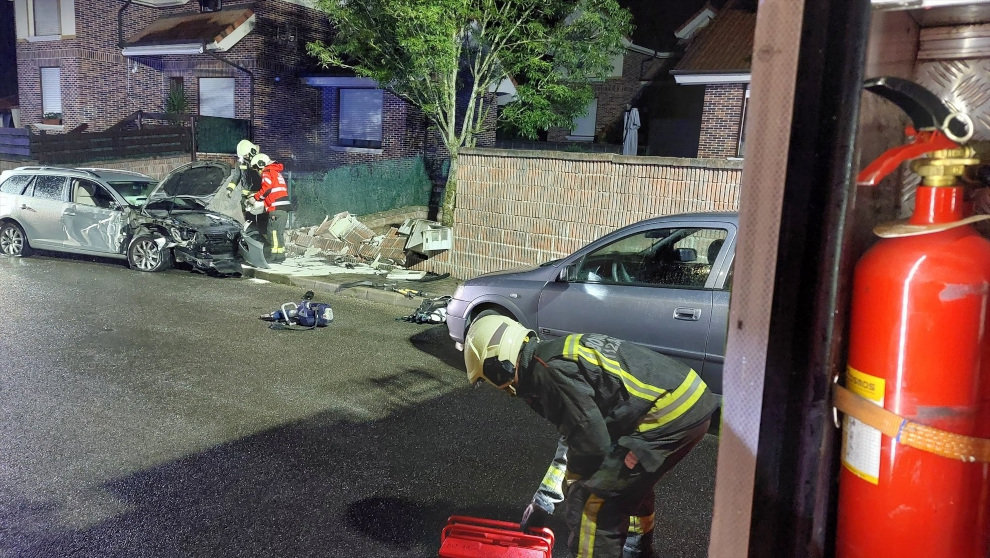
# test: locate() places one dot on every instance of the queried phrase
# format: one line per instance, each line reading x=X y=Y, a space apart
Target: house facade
x=95 y=63
x=719 y=57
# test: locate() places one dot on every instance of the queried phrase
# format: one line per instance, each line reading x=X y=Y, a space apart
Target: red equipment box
x=475 y=537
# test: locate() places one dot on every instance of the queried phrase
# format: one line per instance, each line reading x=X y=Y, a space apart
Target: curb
x=331 y=288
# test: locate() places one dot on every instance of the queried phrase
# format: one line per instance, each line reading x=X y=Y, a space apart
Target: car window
x=15 y=184
x=48 y=187
x=87 y=192
x=134 y=192
x=670 y=257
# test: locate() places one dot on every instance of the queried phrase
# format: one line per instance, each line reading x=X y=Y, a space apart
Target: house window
x=216 y=97
x=360 y=118
x=742 y=124
x=584 y=126
x=47 y=20
x=51 y=90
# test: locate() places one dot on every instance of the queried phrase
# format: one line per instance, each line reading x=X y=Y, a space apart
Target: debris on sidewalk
x=345 y=241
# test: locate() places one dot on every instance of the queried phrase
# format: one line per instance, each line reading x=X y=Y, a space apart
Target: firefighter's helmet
x=491 y=351
x=260 y=161
x=246 y=150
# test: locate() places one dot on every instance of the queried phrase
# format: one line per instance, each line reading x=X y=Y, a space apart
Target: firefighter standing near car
x=626 y=416
x=274 y=193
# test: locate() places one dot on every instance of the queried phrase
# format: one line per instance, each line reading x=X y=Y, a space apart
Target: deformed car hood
x=199 y=179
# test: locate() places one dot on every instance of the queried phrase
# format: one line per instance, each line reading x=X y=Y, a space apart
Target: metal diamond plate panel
x=965 y=86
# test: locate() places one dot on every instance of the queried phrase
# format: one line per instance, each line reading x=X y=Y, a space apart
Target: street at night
x=154 y=414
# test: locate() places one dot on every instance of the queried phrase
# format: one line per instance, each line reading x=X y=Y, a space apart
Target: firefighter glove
x=533 y=516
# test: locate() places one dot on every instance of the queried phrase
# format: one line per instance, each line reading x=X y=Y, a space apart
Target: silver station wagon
x=125 y=215
x=663 y=283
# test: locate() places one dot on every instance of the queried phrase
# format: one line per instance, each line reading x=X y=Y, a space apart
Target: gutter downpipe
x=251 y=75
x=120 y=23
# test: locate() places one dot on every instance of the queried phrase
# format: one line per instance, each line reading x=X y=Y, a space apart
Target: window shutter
x=584 y=126
x=361 y=114
x=216 y=97
x=51 y=89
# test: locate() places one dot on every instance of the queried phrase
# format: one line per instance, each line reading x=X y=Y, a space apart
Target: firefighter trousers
x=617 y=521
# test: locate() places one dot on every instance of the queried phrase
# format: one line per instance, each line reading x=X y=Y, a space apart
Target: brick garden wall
x=721 y=120
x=521 y=208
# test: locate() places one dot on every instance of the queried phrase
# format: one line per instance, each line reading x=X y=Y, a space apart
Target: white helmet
x=260 y=161
x=491 y=351
x=246 y=150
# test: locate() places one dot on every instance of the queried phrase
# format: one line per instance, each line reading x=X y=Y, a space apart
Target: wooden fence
x=15 y=142
x=112 y=144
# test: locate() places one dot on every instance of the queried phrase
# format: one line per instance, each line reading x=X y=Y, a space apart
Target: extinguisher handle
x=935 y=126
x=926 y=110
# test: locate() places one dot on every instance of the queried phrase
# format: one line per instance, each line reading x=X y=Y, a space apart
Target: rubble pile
x=344 y=239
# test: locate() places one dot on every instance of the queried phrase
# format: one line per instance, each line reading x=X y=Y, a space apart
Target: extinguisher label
x=860 y=442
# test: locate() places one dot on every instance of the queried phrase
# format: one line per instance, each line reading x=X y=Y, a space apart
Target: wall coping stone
x=708 y=163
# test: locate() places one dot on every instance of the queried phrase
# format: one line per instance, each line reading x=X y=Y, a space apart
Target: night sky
x=8 y=60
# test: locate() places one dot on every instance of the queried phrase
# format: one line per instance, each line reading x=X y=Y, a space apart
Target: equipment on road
x=914 y=481
x=432 y=311
x=305 y=315
x=475 y=537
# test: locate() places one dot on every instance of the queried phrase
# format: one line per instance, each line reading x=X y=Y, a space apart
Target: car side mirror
x=685 y=255
x=567 y=273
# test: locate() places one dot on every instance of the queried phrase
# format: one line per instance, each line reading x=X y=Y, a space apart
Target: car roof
x=109 y=175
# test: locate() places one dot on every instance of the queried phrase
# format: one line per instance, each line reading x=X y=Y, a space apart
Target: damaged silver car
x=127 y=215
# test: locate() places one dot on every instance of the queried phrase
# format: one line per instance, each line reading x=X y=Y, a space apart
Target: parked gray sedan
x=663 y=283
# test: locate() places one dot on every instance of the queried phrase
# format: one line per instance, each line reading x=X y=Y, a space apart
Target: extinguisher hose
x=910 y=433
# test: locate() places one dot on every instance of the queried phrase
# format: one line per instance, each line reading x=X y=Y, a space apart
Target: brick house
x=95 y=62
x=718 y=58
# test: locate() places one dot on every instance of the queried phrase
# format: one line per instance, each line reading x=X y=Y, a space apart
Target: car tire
x=13 y=241
x=486 y=312
x=144 y=254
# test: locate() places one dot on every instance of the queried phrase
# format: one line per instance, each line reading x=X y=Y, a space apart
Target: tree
x=446 y=56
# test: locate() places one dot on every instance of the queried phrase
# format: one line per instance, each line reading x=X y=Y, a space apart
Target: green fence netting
x=359 y=189
x=219 y=135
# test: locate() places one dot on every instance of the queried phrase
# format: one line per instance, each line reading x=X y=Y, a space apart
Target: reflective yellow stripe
x=672 y=407
x=553 y=478
x=589 y=525
x=634 y=525
x=573 y=350
x=275 y=242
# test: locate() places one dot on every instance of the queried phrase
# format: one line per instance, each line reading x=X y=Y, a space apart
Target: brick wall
x=721 y=119
x=521 y=208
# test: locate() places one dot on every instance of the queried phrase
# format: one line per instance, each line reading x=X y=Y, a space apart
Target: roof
x=182 y=34
x=724 y=47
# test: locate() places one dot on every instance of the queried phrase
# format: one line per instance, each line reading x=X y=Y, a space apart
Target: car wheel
x=487 y=312
x=144 y=254
x=13 y=241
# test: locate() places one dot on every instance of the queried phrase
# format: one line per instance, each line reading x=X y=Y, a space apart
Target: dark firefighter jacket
x=601 y=391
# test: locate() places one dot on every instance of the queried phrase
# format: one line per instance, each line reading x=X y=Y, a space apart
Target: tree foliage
x=445 y=56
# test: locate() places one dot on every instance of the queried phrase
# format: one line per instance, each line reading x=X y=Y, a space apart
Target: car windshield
x=134 y=192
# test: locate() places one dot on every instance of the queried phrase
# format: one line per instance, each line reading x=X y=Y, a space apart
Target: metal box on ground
x=475 y=537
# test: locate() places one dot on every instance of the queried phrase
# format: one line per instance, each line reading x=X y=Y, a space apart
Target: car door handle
x=69 y=211
x=26 y=207
x=685 y=313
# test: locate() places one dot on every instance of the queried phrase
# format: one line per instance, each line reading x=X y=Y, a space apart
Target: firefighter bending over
x=274 y=193
x=626 y=416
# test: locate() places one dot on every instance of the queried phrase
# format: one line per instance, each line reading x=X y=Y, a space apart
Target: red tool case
x=475 y=537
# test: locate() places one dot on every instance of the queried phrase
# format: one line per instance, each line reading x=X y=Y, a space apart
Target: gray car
x=663 y=282
x=124 y=215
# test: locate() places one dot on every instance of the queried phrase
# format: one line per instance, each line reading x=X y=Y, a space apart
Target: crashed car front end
x=206 y=241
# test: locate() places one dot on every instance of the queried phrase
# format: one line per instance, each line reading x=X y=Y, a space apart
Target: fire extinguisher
x=914 y=480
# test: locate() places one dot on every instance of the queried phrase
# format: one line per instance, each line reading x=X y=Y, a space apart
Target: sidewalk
x=315 y=274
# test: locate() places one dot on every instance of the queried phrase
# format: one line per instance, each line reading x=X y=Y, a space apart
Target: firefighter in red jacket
x=274 y=193
x=626 y=416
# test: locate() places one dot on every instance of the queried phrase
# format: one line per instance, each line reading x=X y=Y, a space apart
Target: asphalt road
x=155 y=415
